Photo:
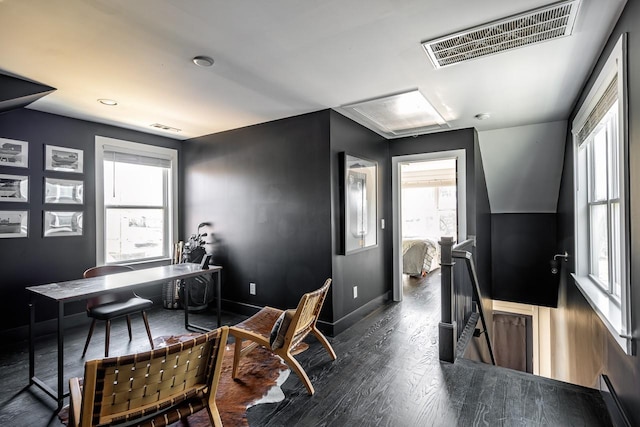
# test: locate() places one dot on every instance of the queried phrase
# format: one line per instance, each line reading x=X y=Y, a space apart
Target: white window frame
x=103 y=144
x=614 y=311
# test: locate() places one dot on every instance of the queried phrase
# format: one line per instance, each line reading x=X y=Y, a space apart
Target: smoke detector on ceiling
x=539 y=25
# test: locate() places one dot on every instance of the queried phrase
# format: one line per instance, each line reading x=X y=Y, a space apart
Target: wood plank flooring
x=387 y=374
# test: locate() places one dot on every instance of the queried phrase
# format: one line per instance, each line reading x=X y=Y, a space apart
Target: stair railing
x=455 y=311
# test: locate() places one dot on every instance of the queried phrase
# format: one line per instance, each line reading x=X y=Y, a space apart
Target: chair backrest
x=119 y=389
x=103 y=270
x=306 y=316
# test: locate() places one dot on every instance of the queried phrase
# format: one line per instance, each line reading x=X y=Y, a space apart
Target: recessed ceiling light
x=109 y=102
x=482 y=116
x=203 y=61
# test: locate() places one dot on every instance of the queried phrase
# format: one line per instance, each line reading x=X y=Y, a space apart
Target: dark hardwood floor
x=387 y=374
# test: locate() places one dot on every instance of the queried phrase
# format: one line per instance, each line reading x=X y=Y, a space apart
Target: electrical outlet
x=252 y=288
x=355 y=292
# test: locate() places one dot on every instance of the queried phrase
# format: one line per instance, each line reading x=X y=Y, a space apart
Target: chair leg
x=106 y=337
x=146 y=325
x=129 y=326
x=324 y=342
x=214 y=415
x=293 y=364
x=237 y=354
x=86 y=344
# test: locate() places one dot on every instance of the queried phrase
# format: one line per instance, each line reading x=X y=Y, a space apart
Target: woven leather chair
x=268 y=328
x=111 y=306
x=155 y=388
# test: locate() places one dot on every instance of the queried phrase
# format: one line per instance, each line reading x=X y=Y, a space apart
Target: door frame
x=396 y=197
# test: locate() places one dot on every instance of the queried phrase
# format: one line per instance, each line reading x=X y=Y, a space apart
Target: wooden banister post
x=446 y=327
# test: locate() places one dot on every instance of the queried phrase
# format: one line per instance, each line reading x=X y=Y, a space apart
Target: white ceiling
x=281 y=58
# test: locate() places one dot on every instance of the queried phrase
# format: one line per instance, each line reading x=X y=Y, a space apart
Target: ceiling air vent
x=165 y=127
x=546 y=23
x=403 y=114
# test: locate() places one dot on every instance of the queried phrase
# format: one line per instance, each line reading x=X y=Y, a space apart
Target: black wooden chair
x=111 y=306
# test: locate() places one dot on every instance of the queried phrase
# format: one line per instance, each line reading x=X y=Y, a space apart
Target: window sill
x=606 y=308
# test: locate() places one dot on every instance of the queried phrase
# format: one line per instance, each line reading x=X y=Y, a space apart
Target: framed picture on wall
x=63 y=159
x=359 y=197
x=14 y=224
x=65 y=191
x=14 y=188
x=62 y=223
x=14 y=153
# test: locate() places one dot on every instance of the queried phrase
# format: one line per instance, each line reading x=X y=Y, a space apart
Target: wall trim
x=329 y=328
x=358 y=314
x=45 y=327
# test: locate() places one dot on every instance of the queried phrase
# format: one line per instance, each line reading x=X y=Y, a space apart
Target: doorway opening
x=429 y=202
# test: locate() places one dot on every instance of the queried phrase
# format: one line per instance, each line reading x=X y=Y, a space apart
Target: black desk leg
x=32 y=322
x=60 y=354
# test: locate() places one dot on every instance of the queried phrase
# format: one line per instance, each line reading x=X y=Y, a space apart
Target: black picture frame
x=359 y=200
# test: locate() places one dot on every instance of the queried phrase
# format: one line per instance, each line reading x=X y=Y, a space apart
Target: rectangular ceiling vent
x=165 y=127
x=546 y=23
x=403 y=114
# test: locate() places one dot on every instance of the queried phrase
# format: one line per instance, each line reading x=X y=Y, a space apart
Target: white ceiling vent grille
x=165 y=127
x=403 y=114
x=547 y=23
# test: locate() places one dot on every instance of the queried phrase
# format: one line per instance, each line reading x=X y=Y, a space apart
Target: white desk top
x=80 y=289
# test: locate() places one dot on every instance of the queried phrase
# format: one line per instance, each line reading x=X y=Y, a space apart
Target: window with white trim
x=600 y=160
x=136 y=194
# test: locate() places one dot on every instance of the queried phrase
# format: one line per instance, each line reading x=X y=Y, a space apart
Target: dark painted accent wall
x=484 y=245
x=267 y=191
x=623 y=370
x=523 y=246
x=271 y=192
x=35 y=260
x=371 y=270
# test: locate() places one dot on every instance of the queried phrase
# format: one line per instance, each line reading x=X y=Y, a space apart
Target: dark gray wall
x=523 y=246
x=35 y=260
x=266 y=189
x=370 y=269
x=271 y=192
x=623 y=370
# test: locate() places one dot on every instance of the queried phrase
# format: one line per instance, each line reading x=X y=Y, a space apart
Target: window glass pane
x=133 y=234
x=136 y=185
x=599 y=165
x=599 y=243
x=614 y=154
x=616 y=246
x=419 y=210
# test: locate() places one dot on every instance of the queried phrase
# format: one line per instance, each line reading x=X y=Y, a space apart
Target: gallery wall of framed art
x=63 y=199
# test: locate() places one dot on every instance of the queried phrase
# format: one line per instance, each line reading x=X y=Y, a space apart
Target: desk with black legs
x=82 y=289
